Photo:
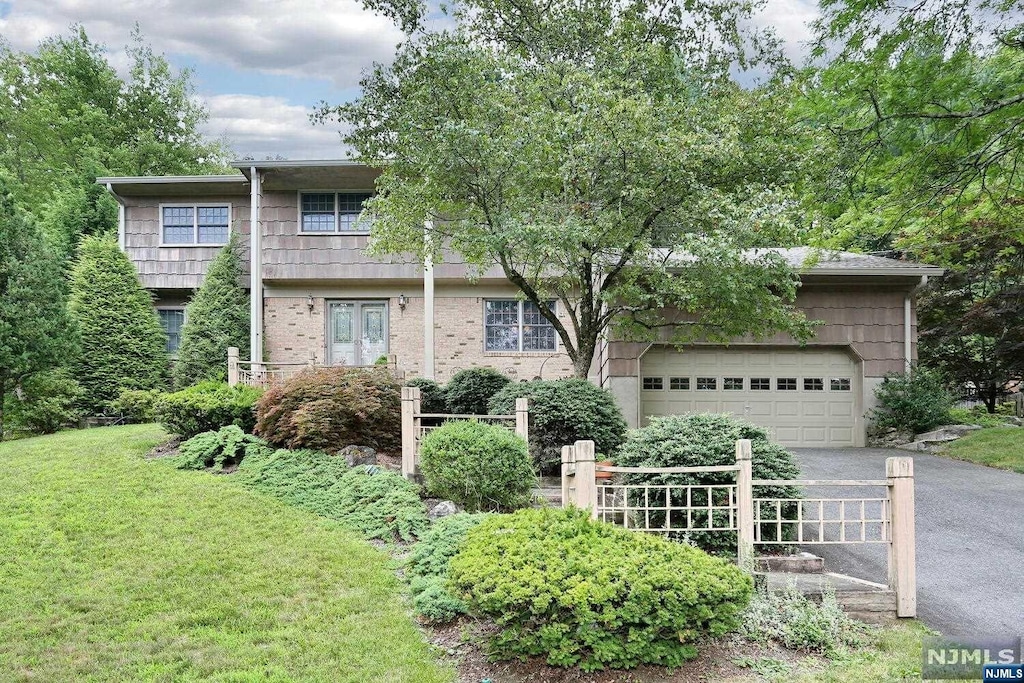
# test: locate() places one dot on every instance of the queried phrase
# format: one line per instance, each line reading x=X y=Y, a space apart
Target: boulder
x=358 y=455
x=442 y=508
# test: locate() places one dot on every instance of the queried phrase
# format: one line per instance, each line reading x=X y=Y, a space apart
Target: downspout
x=121 y=240
x=255 y=269
x=428 y=305
x=908 y=338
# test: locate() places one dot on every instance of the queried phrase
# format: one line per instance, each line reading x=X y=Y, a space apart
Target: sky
x=261 y=66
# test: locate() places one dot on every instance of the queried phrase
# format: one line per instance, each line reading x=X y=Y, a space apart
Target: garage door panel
x=813 y=409
x=787 y=409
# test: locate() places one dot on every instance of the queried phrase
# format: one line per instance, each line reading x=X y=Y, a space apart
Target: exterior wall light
x=402 y=301
x=310 y=303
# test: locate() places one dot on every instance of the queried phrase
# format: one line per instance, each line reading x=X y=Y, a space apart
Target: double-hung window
x=172 y=320
x=195 y=224
x=332 y=213
x=513 y=325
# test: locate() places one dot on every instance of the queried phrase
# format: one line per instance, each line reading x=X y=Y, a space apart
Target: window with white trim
x=172 y=320
x=653 y=383
x=840 y=384
x=514 y=325
x=195 y=225
x=332 y=213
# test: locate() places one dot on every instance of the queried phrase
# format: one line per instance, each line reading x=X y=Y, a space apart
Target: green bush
x=469 y=391
x=139 y=405
x=217 y=450
x=333 y=407
x=377 y=503
x=562 y=412
x=1008 y=408
x=963 y=416
x=46 y=402
x=916 y=402
x=586 y=593
x=207 y=407
x=702 y=441
x=479 y=466
x=432 y=395
x=427 y=567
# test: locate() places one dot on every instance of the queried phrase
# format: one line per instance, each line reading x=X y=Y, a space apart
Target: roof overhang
x=293 y=175
x=172 y=186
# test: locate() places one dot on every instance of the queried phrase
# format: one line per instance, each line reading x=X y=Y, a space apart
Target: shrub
x=477 y=465
x=217 y=317
x=427 y=567
x=139 y=405
x=377 y=503
x=330 y=408
x=561 y=412
x=207 y=407
x=432 y=395
x=915 y=402
x=582 y=592
x=981 y=418
x=469 y=390
x=46 y=402
x=225 y=447
x=701 y=441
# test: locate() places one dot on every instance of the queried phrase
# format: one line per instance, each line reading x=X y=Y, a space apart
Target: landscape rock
x=442 y=508
x=358 y=455
x=888 y=438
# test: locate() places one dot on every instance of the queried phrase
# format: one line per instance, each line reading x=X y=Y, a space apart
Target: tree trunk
x=991 y=393
x=585 y=351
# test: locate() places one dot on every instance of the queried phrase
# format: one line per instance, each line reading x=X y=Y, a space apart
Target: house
x=324 y=300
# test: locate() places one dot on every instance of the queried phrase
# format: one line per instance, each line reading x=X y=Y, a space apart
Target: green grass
x=1001 y=447
x=115 y=568
x=895 y=657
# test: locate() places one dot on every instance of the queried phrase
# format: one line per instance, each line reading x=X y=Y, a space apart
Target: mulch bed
x=167 y=449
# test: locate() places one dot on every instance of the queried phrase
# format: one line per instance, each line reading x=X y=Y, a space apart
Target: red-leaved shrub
x=329 y=408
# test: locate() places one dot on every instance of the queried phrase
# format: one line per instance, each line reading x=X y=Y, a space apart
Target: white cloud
x=269 y=126
x=791 y=20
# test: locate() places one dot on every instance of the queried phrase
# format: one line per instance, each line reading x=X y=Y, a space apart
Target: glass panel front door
x=357 y=332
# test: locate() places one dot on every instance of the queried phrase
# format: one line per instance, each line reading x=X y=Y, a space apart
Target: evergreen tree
x=35 y=331
x=216 y=318
x=123 y=345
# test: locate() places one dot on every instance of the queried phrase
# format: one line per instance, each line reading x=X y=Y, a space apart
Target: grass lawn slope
x=1001 y=447
x=116 y=568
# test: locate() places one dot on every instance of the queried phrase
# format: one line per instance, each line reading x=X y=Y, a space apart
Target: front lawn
x=118 y=568
x=1001 y=447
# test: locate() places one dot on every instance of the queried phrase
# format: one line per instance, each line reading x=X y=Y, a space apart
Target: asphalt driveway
x=970 y=538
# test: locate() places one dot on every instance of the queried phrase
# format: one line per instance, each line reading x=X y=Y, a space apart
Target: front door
x=357 y=332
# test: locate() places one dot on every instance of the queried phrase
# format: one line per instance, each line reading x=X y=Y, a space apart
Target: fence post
x=523 y=418
x=744 y=506
x=902 y=561
x=567 y=452
x=586 y=477
x=410 y=406
x=232 y=365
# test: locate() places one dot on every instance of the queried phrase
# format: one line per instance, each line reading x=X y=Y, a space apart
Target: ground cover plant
x=217 y=450
x=118 y=568
x=427 y=567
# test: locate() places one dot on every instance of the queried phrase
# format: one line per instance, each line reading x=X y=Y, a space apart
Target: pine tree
x=216 y=318
x=123 y=344
x=36 y=333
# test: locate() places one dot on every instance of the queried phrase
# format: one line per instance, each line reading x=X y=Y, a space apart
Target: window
x=679 y=383
x=195 y=225
x=732 y=383
x=332 y=212
x=786 y=383
x=814 y=384
x=760 y=384
x=172 y=320
x=840 y=383
x=654 y=383
x=513 y=325
x=707 y=383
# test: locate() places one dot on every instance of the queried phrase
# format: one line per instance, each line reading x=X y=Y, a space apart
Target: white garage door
x=804 y=397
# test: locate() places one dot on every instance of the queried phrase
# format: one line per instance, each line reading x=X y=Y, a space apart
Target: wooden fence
x=681 y=509
x=263 y=374
x=417 y=424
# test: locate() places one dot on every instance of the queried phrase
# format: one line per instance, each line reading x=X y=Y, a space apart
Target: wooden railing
x=679 y=509
x=264 y=374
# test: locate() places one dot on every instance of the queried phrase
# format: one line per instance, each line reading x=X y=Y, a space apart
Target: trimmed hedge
x=432 y=395
x=479 y=466
x=206 y=407
x=138 y=404
x=469 y=391
x=225 y=447
x=580 y=592
x=562 y=412
x=333 y=407
x=427 y=567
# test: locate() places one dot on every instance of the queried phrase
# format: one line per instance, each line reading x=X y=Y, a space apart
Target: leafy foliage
x=562 y=412
x=137 y=404
x=207 y=407
x=479 y=466
x=380 y=504
x=217 y=317
x=432 y=395
x=702 y=441
x=427 y=567
x=123 y=345
x=217 y=450
x=333 y=407
x=469 y=391
x=915 y=402
x=44 y=402
x=586 y=593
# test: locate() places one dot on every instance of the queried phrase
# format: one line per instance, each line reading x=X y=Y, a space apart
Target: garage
x=804 y=397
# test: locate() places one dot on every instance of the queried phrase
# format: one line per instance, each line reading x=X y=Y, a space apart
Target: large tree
x=35 y=331
x=599 y=153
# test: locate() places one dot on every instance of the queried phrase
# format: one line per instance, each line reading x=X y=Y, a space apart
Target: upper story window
x=513 y=325
x=172 y=320
x=332 y=212
x=195 y=224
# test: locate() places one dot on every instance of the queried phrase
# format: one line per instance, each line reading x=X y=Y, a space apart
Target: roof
x=175 y=185
x=817 y=261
